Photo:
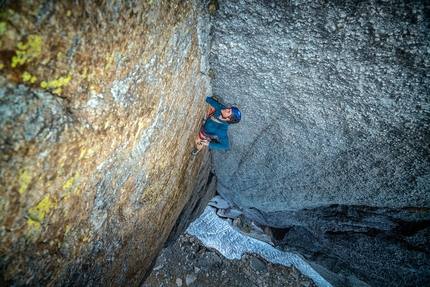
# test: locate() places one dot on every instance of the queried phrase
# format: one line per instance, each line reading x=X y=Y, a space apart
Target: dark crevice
x=411 y=228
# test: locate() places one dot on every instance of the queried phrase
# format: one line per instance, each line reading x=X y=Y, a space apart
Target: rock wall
x=99 y=105
x=333 y=149
x=335 y=102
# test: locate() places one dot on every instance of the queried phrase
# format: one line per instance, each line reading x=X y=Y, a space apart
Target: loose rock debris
x=189 y=263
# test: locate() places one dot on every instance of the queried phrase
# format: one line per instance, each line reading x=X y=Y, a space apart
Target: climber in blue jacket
x=213 y=133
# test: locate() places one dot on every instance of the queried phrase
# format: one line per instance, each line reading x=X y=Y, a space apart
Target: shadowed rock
x=333 y=146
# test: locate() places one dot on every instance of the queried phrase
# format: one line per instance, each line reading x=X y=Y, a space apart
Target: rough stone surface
x=335 y=102
x=333 y=147
x=187 y=259
x=204 y=190
x=99 y=106
x=349 y=244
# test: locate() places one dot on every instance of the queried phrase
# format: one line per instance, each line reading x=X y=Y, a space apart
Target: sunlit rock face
x=99 y=105
x=333 y=147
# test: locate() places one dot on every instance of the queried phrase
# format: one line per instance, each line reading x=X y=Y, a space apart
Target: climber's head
x=231 y=115
x=235 y=115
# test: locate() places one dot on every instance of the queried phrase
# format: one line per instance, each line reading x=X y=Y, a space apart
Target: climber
x=213 y=133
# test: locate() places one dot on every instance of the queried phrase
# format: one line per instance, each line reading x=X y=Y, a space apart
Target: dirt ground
x=189 y=263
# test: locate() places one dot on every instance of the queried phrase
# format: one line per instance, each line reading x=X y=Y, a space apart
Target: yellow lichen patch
x=1 y=65
x=83 y=151
x=27 y=52
x=57 y=91
x=26 y=76
x=67 y=229
x=2 y=28
x=85 y=238
x=109 y=62
x=90 y=76
x=90 y=153
x=66 y=213
x=68 y=13
x=1 y=207
x=59 y=82
x=56 y=85
x=61 y=169
x=67 y=195
x=59 y=55
x=68 y=184
x=24 y=180
x=37 y=213
x=33 y=224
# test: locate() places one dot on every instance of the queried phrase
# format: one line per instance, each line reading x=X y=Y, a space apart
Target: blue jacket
x=213 y=128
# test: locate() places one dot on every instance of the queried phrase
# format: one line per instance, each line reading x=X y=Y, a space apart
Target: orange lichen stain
x=27 y=52
x=24 y=180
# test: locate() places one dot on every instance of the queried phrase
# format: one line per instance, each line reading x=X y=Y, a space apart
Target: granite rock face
x=99 y=105
x=335 y=102
x=333 y=149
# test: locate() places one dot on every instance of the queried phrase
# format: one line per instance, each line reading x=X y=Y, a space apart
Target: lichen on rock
x=99 y=105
